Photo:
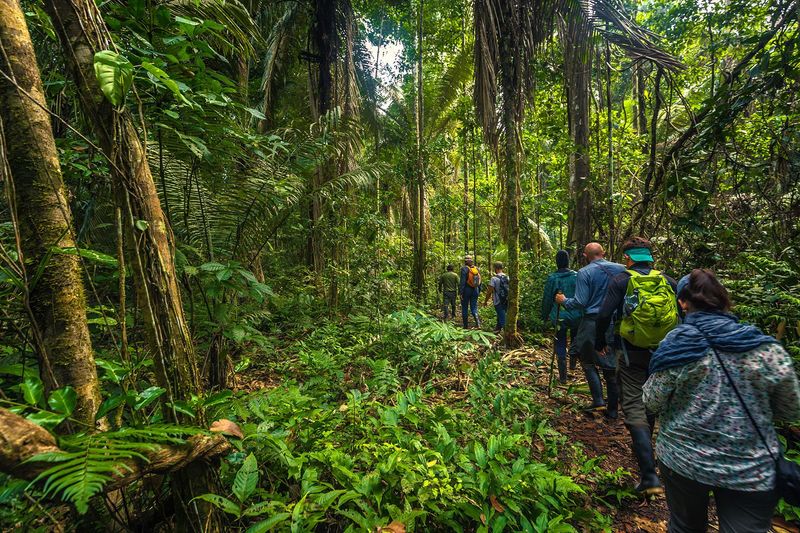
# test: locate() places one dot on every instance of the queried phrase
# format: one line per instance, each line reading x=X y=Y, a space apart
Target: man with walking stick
x=565 y=322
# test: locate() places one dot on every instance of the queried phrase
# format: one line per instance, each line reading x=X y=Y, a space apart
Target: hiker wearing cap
x=498 y=292
x=469 y=287
x=590 y=290
x=717 y=386
x=448 y=287
x=565 y=321
x=642 y=302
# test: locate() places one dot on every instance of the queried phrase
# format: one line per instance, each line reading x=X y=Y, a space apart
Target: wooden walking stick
x=553 y=356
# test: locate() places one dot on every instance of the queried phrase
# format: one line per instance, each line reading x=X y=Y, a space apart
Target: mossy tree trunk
x=82 y=32
x=56 y=301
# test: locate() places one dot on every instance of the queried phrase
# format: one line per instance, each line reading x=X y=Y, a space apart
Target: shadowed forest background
x=222 y=224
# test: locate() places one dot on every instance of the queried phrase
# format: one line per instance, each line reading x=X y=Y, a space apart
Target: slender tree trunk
x=421 y=208
x=82 y=32
x=612 y=230
x=56 y=302
x=323 y=37
x=577 y=63
x=511 y=168
x=465 y=166
x=640 y=110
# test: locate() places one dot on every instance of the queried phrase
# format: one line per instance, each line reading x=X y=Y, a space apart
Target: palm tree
x=508 y=34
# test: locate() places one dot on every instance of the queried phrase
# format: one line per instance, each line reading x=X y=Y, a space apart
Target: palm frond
x=609 y=19
x=276 y=50
x=457 y=73
x=239 y=25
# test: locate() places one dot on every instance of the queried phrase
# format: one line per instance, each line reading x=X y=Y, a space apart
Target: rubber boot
x=595 y=387
x=643 y=450
x=562 y=370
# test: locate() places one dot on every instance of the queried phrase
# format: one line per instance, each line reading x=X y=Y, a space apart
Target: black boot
x=612 y=388
x=643 y=450
x=562 y=370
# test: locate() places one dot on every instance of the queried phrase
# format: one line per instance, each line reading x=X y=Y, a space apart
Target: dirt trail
x=598 y=437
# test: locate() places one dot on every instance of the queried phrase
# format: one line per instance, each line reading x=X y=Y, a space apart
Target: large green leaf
x=269 y=523
x=114 y=73
x=148 y=396
x=63 y=401
x=222 y=503
x=246 y=479
x=33 y=391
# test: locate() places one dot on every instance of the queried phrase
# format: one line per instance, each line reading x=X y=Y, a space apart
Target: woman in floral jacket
x=706 y=442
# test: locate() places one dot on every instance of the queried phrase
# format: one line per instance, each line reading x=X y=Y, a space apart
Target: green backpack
x=650 y=310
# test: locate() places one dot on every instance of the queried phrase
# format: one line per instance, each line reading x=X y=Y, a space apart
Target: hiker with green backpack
x=641 y=301
x=565 y=321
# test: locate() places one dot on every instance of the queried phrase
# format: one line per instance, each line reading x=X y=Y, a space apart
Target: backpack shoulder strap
x=633 y=273
x=738 y=394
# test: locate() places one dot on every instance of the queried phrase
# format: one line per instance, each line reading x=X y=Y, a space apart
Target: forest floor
x=599 y=437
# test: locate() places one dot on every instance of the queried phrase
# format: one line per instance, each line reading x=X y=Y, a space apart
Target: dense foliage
x=318 y=163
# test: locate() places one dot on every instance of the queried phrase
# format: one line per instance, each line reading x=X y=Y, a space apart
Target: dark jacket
x=562 y=280
x=615 y=298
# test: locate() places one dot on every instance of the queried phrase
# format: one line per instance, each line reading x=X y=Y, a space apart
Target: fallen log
x=21 y=440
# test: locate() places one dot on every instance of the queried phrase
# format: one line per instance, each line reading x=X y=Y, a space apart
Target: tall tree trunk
x=82 y=32
x=421 y=208
x=511 y=169
x=577 y=65
x=56 y=302
x=324 y=38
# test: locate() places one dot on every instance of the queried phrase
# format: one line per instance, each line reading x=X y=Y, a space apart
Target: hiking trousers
x=449 y=302
x=469 y=306
x=561 y=350
x=738 y=511
x=590 y=361
x=501 y=316
x=631 y=376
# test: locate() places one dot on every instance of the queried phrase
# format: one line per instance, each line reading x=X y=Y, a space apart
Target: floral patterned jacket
x=704 y=433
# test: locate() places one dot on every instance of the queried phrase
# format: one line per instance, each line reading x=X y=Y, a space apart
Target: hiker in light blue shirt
x=590 y=291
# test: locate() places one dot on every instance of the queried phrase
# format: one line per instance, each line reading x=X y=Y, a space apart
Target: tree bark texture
x=82 y=32
x=422 y=202
x=56 y=302
x=577 y=66
x=511 y=61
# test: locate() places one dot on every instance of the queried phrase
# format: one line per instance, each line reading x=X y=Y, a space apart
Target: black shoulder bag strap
x=738 y=394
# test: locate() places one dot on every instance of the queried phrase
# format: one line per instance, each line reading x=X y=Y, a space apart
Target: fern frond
x=89 y=462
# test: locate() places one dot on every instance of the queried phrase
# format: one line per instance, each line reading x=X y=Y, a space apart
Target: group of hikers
x=673 y=352
x=468 y=285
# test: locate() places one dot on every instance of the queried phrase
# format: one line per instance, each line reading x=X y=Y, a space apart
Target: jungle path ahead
x=600 y=438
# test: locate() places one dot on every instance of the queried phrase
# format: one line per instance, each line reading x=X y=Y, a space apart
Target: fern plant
x=88 y=462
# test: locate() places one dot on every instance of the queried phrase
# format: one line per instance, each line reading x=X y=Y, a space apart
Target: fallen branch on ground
x=21 y=440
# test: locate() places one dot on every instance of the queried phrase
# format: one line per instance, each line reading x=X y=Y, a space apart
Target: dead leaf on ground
x=496 y=504
x=227 y=427
x=394 y=527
